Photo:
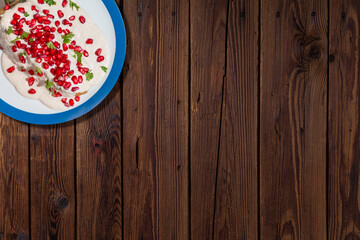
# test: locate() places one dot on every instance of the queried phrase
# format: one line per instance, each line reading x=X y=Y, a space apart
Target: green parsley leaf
x=50 y=2
x=26 y=14
x=24 y=35
x=10 y=30
x=21 y=54
x=72 y=5
x=49 y=84
x=38 y=70
x=104 y=68
x=89 y=75
x=78 y=56
x=15 y=40
x=31 y=40
x=67 y=38
x=50 y=45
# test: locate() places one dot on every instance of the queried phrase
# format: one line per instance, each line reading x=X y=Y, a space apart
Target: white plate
x=107 y=16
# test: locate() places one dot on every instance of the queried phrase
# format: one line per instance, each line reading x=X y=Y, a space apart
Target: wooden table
x=233 y=119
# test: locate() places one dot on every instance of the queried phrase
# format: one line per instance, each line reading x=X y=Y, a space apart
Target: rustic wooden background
x=233 y=119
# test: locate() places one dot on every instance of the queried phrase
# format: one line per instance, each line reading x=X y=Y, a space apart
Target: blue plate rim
x=99 y=96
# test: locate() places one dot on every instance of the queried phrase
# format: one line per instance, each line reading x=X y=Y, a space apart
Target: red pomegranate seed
x=73 y=42
x=89 y=41
x=60 y=14
x=74 y=89
x=16 y=16
x=34 y=8
x=22 y=59
x=31 y=81
x=72 y=18
x=80 y=79
x=11 y=69
x=41 y=1
x=74 y=80
x=21 y=9
x=40 y=74
x=7 y=6
x=86 y=54
x=77 y=98
x=45 y=65
x=47 y=22
x=14 y=48
x=98 y=52
x=23 y=70
x=77 y=48
x=60 y=83
x=64 y=100
x=32 y=91
x=45 y=11
x=64 y=3
x=31 y=72
x=71 y=102
x=22 y=21
x=58 y=94
x=70 y=24
x=28 y=51
x=100 y=59
x=59 y=30
x=57 y=23
x=53 y=29
x=67 y=85
x=82 y=19
x=65 y=22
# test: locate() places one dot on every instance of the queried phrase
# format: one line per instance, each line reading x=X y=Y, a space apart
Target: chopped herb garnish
x=89 y=75
x=50 y=2
x=104 y=68
x=24 y=35
x=15 y=40
x=21 y=54
x=50 y=45
x=38 y=70
x=31 y=40
x=67 y=38
x=78 y=56
x=26 y=14
x=72 y=5
x=49 y=84
x=10 y=30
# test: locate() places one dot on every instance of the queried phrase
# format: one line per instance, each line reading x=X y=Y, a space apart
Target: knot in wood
x=314 y=52
x=63 y=202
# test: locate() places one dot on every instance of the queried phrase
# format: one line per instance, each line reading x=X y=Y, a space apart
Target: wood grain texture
x=98 y=167
x=208 y=37
x=156 y=120
x=293 y=119
x=344 y=110
x=52 y=181
x=236 y=209
x=14 y=179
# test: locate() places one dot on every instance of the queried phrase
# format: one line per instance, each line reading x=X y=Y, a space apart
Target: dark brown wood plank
x=156 y=120
x=344 y=110
x=236 y=209
x=98 y=167
x=14 y=179
x=52 y=181
x=208 y=37
x=293 y=119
